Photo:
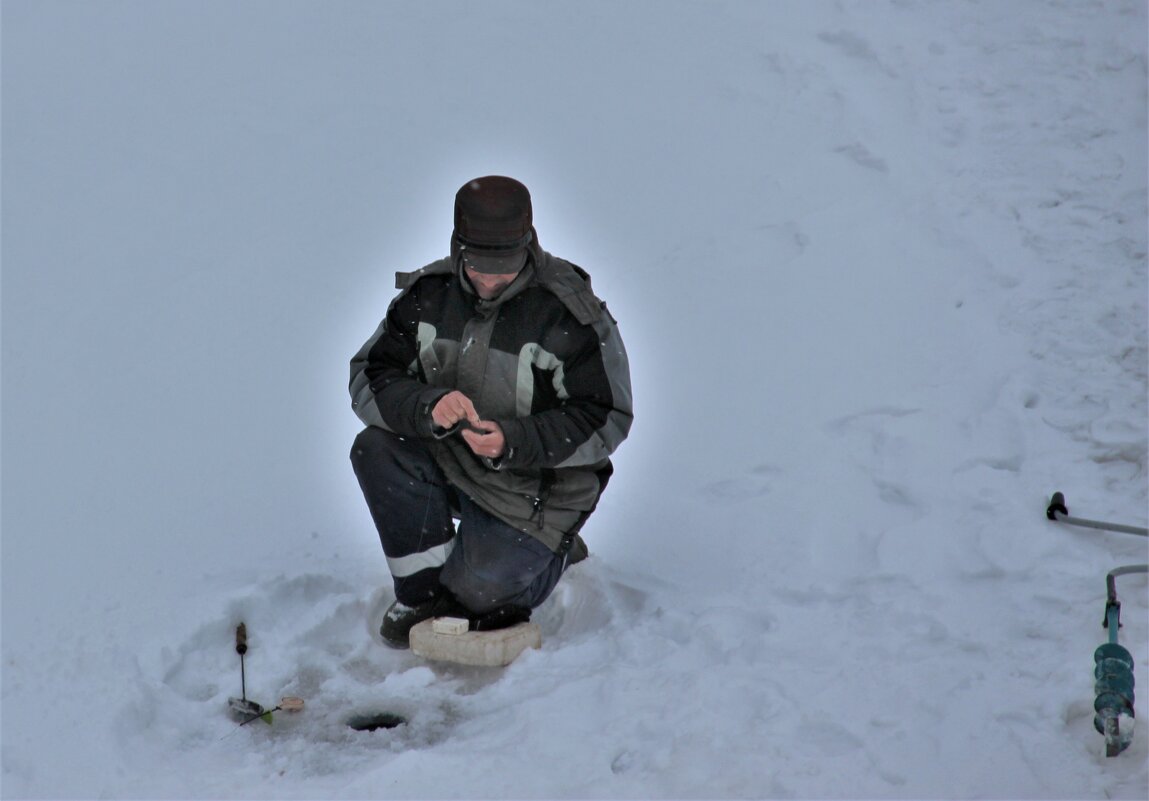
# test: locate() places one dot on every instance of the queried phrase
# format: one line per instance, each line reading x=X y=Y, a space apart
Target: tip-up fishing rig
x=1113 y=664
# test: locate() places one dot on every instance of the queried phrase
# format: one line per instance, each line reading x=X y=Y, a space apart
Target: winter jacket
x=544 y=360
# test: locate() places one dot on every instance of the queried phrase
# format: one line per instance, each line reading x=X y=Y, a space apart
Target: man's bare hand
x=485 y=438
x=452 y=408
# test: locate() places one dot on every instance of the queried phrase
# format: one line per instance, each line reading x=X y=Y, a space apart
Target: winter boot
x=501 y=618
x=400 y=618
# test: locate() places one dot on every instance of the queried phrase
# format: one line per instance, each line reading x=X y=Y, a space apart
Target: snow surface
x=881 y=271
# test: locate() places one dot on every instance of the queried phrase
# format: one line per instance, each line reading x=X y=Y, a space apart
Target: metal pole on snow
x=1056 y=511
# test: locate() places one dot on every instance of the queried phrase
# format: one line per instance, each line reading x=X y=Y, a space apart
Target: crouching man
x=493 y=392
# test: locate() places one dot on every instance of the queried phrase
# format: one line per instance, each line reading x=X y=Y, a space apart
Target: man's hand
x=453 y=407
x=483 y=437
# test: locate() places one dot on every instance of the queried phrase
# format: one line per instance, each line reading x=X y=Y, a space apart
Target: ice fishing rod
x=241 y=707
x=245 y=710
x=1114 y=715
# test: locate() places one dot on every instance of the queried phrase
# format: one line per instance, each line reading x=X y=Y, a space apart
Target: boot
x=502 y=617
x=400 y=618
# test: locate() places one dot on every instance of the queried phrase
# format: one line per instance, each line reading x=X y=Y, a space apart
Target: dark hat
x=493 y=223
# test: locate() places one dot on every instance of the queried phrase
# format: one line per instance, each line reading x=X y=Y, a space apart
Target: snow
x=881 y=272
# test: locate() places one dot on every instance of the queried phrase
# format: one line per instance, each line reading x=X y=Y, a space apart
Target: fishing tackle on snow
x=241 y=708
x=245 y=710
x=1114 y=715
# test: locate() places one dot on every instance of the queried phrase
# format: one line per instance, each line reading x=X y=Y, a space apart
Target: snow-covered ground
x=881 y=271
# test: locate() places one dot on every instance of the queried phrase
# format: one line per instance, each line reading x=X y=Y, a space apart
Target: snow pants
x=485 y=563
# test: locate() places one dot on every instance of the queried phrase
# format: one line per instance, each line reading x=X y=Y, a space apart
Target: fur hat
x=493 y=224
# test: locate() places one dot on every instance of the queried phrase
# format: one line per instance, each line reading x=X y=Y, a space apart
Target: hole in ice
x=373 y=721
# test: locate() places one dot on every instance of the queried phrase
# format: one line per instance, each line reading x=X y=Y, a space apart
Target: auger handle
x=1056 y=504
x=1058 y=511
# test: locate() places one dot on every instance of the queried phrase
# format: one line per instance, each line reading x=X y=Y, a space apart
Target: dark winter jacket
x=544 y=360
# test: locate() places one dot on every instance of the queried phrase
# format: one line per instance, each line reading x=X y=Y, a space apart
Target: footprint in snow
x=757 y=482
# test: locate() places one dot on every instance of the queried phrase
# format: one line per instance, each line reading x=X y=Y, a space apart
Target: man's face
x=489 y=285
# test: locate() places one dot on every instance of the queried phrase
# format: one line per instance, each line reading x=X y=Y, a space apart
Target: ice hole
x=373 y=721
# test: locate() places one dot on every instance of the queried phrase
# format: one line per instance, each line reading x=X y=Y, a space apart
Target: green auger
x=1113 y=679
x=1114 y=715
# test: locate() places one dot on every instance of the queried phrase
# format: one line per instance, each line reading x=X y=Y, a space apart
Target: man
x=494 y=392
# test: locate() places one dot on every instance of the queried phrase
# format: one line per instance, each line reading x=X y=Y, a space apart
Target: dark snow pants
x=485 y=564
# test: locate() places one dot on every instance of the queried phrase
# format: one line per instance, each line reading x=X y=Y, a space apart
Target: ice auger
x=1114 y=715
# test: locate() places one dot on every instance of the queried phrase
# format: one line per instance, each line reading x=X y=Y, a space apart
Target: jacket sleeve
x=386 y=387
x=595 y=411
